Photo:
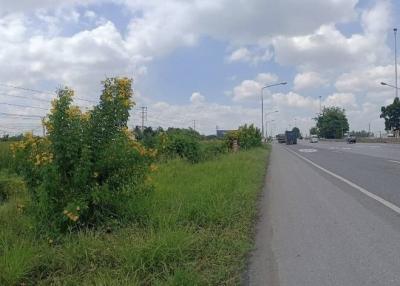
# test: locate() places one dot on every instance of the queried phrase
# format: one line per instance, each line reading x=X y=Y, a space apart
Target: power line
x=35 y=99
x=25 y=88
x=21 y=105
x=20 y=115
x=27 y=97
x=41 y=91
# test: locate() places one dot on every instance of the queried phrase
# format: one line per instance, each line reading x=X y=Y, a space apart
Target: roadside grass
x=5 y=155
x=194 y=229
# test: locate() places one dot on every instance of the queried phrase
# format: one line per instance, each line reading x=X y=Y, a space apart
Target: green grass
x=195 y=229
x=5 y=155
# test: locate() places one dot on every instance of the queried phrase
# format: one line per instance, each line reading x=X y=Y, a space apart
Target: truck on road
x=313 y=139
x=281 y=138
x=290 y=137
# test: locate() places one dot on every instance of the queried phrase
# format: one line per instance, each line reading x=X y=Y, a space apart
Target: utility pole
x=369 y=129
x=144 y=115
x=194 y=125
x=395 y=58
x=320 y=105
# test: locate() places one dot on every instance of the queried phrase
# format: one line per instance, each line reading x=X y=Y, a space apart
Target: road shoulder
x=262 y=268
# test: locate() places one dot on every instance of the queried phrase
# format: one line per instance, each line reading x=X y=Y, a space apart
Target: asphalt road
x=329 y=216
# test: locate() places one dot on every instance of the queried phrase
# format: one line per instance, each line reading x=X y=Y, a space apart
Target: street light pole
x=320 y=104
x=395 y=58
x=266 y=127
x=392 y=86
x=266 y=117
x=262 y=104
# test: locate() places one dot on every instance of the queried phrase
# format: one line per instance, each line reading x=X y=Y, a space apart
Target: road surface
x=330 y=215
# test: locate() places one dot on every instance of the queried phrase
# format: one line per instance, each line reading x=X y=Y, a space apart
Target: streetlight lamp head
x=383 y=83
x=283 y=83
x=395 y=29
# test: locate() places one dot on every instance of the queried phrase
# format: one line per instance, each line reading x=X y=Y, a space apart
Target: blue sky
x=203 y=60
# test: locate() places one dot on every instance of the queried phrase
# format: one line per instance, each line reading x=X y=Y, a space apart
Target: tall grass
x=5 y=155
x=193 y=230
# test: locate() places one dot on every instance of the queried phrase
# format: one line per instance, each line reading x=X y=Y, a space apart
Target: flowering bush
x=89 y=167
x=247 y=136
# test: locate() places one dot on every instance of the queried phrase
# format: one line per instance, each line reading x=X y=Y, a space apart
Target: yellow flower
x=153 y=168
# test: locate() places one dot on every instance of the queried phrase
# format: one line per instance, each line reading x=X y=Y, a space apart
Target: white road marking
x=308 y=150
x=393 y=161
x=384 y=202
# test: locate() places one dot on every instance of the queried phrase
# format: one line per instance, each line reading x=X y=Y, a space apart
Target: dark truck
x=290 y=137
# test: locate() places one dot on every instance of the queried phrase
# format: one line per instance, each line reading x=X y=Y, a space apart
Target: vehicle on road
x=313 y=139
x=351 y=139
x=290 y=137
x=281 y=138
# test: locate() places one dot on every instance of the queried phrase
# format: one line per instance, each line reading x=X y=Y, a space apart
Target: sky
x=201 y=62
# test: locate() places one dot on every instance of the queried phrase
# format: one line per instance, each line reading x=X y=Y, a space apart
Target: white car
x=314 y=139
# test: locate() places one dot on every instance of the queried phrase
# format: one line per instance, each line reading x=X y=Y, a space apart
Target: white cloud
x=38 y=46
x=78 y=61
x=7 y=6
x=296 y=100
x=253 y=57
x=328 y=49
x=343 y=100
x=308 y=80
x=197 y=98
x=250 y=89
x=366 y=80
x=90 y=14
x=236 y=21
x=240 y=55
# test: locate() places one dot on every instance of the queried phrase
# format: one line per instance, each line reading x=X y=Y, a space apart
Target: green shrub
x=247 y=137
x=89 y=162
x=211 y=149
x=5 y=155
x=180 y=145
x=10 y=185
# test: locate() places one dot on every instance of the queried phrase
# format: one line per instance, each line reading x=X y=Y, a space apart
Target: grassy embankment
x=5 y=155
x=195 y=230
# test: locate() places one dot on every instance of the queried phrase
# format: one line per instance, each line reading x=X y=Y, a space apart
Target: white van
x=313 y=139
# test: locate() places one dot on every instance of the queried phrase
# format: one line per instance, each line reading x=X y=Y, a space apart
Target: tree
x=332 y=123
x=297 y=131
x=391 y=114
x=314 y=131
x=89 y=169
x=362 y=133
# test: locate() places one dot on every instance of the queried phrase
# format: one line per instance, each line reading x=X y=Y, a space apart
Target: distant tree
x=391 y=114
x=361 y=133
x=148 y=136
x=332 y=123
x=211 y=137
x=314 y=131
x=7 y=137
x=297 y=131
